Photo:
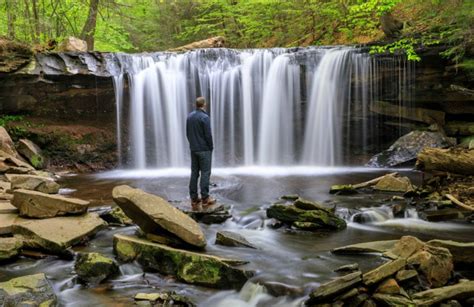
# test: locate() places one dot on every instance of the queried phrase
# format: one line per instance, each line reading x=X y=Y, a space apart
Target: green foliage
x=5 y=119
x=404 y=46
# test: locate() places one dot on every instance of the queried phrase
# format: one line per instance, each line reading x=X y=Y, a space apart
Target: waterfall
x=268 y=107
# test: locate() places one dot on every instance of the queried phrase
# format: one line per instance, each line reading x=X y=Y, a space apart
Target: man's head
x=201 y=103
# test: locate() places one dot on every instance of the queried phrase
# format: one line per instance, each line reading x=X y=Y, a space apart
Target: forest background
x=154 y=25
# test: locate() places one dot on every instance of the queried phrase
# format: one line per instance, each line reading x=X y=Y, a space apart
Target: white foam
x=259 y=171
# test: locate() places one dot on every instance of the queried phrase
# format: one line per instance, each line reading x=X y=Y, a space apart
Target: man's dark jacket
x=198 y=131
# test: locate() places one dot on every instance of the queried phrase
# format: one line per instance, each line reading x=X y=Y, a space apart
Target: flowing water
x=268 y=107
x=296 y=260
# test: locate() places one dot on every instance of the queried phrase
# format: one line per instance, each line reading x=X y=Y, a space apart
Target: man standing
x=198 y=132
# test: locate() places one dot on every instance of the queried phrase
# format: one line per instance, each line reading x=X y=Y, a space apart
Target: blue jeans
x=200 y=165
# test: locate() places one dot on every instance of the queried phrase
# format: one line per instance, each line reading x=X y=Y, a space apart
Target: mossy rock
x=320 y=218
x=187 y=266
x=94 y=267
x=30 y=290
x=342 y=189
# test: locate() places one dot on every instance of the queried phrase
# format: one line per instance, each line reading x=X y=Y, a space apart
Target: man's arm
x=207 y=132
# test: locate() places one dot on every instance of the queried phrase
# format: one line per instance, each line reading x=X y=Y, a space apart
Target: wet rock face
x=407 y=147
x=94 y=267
x=30 y=290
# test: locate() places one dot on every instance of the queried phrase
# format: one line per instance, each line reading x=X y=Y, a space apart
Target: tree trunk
x=452 y=160
x=11 y=17
x=88 y=31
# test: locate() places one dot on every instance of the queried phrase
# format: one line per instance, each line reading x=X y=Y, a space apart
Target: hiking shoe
x=208 y=201
x=196 y=204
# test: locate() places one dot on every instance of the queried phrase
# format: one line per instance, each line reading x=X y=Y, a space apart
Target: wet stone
x=347 y=268
x=165 y=299
x=116 y=216
x=94 y=268
x=290 y=197
x=228 y=238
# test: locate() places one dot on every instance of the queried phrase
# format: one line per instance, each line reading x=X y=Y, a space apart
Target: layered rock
x=435 y=296
x=333 y=288
x=188 y=267
x=155 y=215
x=32 y=152
x=312 y=217
x=9 y=248
x=40 y=205
x=55 y=235
x=94 y=267
x=34 y=183
x=30 y=290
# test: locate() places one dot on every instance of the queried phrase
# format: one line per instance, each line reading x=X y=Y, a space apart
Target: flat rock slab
x=367 y=247
x=9 y=248
x=6 y=222
x=385 y=270
x=40 y=205
x=334 y=287
x=435 y=296
x=33 y=183
x=463 y=253
x=188 y=267
x=55 y=235
x=155 y=215
x=5 y=186
x=7 y=207
x=30 y=290
x=228 y=238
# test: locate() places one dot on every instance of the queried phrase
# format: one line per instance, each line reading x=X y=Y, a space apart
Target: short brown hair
x=200 y=102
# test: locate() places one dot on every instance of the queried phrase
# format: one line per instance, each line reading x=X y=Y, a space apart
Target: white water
x=272 y=107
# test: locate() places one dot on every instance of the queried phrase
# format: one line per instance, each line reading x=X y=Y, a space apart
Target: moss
x=342 y=189
x=37 y=161
x=94 y=267
x=197 y=271
x=125 y=250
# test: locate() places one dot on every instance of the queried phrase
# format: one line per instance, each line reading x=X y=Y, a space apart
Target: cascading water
x=269 y=107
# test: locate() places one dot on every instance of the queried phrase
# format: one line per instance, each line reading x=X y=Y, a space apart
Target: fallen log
x=212 y=42
x=372 y=181
x=453 y=160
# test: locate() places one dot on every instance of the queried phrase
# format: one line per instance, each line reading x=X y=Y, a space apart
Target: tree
x=88 y=31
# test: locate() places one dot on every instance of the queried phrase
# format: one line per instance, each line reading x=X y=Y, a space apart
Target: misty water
x=300 y=260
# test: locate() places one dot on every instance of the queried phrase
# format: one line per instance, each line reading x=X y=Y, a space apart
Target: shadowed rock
x=435 y=296
x=155 y=215
x=40 y=205
x=32 y=152
x=188 y=267
x=9 y=248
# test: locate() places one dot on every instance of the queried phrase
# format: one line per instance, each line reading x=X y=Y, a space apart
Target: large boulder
x=30 y=290
x=155 y=215
x=73 y=44
x=333 y=288
x=94 y=267
x=434 y=263
x=306 y=216
x=32 y=152
x=55 y=235
x=34 y=183
x=407 y=147
x=394 y=184
x=40 y=205
x=9 y=248
x=463 y=253
x=188 y=267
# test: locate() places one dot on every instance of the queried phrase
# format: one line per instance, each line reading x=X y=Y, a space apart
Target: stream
x=285 y=259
